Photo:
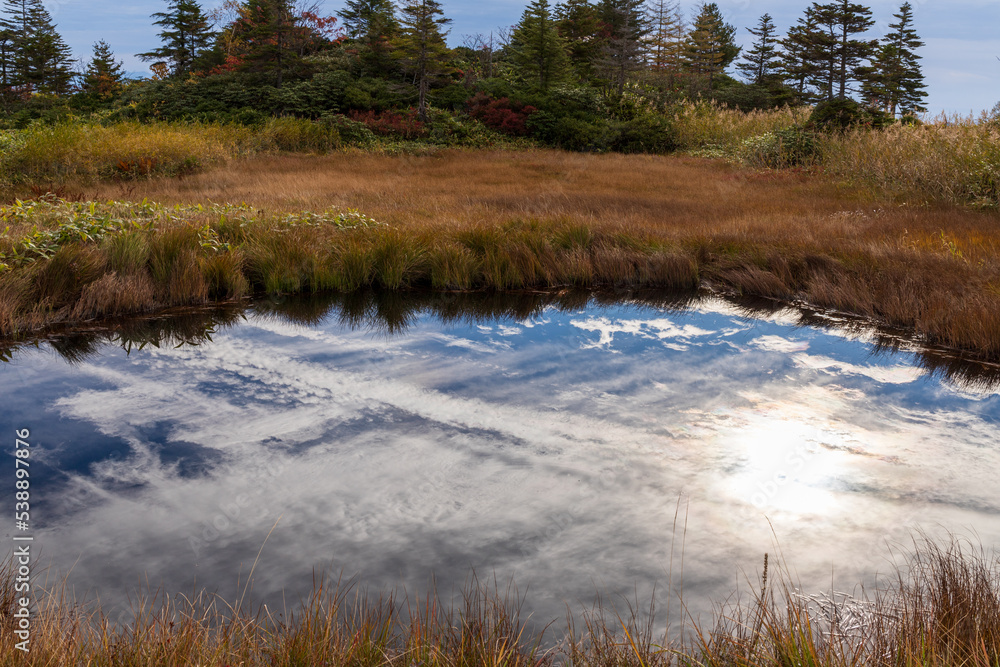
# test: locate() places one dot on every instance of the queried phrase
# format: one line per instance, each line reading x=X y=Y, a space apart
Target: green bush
x=646 y=133
x=350 y=132
x=571 y=132
x=753 y=97
x=842 y=115
x=790 y=147
x=301 y=135
x=37 y=109
x=451 y=97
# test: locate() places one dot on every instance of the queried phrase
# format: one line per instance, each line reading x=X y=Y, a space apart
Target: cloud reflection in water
x=553 y=448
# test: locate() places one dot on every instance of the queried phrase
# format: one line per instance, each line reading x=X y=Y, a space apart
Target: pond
x=574 y=443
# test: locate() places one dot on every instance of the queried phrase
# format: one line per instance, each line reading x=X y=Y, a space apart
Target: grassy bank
x=940 y=607
x=497 y=220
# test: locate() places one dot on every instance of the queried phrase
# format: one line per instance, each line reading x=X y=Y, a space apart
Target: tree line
x=279 y=56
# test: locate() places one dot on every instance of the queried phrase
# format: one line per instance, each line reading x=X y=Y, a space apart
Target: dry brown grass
x=931 y=268
x=939 y=607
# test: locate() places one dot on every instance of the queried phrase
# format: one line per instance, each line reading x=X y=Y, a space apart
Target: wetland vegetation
x=596 y=151
x=500 y=220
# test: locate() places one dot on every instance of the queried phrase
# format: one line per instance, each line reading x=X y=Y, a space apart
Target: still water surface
x=549 y=441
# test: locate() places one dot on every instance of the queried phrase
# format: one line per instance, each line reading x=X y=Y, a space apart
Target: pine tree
x=372 y=24
x=536 y=47
x=842 y=20
x=625 y=27
x=763 y=61
x=896 y=81
x=666 y=37
x=13 y=28
x=104 y=76
x=579 y=26
x=800 y=52
x=710 y=47
x=268 y=33
x=8 y=51
x=42 y=60
x=186 y=36
x=273 y=38
x=421 y=46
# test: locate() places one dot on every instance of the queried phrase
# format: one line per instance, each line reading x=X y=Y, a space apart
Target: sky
x=960 y=58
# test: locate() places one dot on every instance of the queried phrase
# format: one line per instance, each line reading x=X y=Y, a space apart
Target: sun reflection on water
x=785 y=461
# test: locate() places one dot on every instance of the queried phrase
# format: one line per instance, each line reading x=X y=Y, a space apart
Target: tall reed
x=957 y=162
x=698 y=125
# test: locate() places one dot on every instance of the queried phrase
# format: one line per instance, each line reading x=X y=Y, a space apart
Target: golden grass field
x=934 y=268
x=503 y=220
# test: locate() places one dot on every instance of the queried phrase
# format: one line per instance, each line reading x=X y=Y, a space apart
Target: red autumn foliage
x=504 y=115
x=232 y=64
x=324 y=26
x=391 y=123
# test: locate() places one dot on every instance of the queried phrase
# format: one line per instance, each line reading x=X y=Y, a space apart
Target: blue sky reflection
x=554 y=449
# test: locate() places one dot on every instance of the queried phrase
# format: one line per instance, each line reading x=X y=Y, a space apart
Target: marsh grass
x=507 y=221
x=705 y=126
x=939 y=606
x=500 y=220
x=951 y=160
x=46 y=154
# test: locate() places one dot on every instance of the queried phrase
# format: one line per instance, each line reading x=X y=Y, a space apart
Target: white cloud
x=897 y=374
x=517 y=469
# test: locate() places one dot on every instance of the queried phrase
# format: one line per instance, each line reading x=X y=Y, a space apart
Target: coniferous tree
x=421 y=46
x=13 y=28
x=34 y=54
x=536 y=47
x=624 y=28
x=579 y=26
x=44 y=61
x=896 y=81
x=186 y=35
x=710 y=47
x=843 y=20
x=800 y=66
x=666 y=44
x=763 y=60
x=8 y=51
x=104 y=76
x=268 y=34
x=273 y=37
x=372 y=24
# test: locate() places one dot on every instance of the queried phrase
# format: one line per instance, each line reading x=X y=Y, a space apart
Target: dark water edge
x=394 y=312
